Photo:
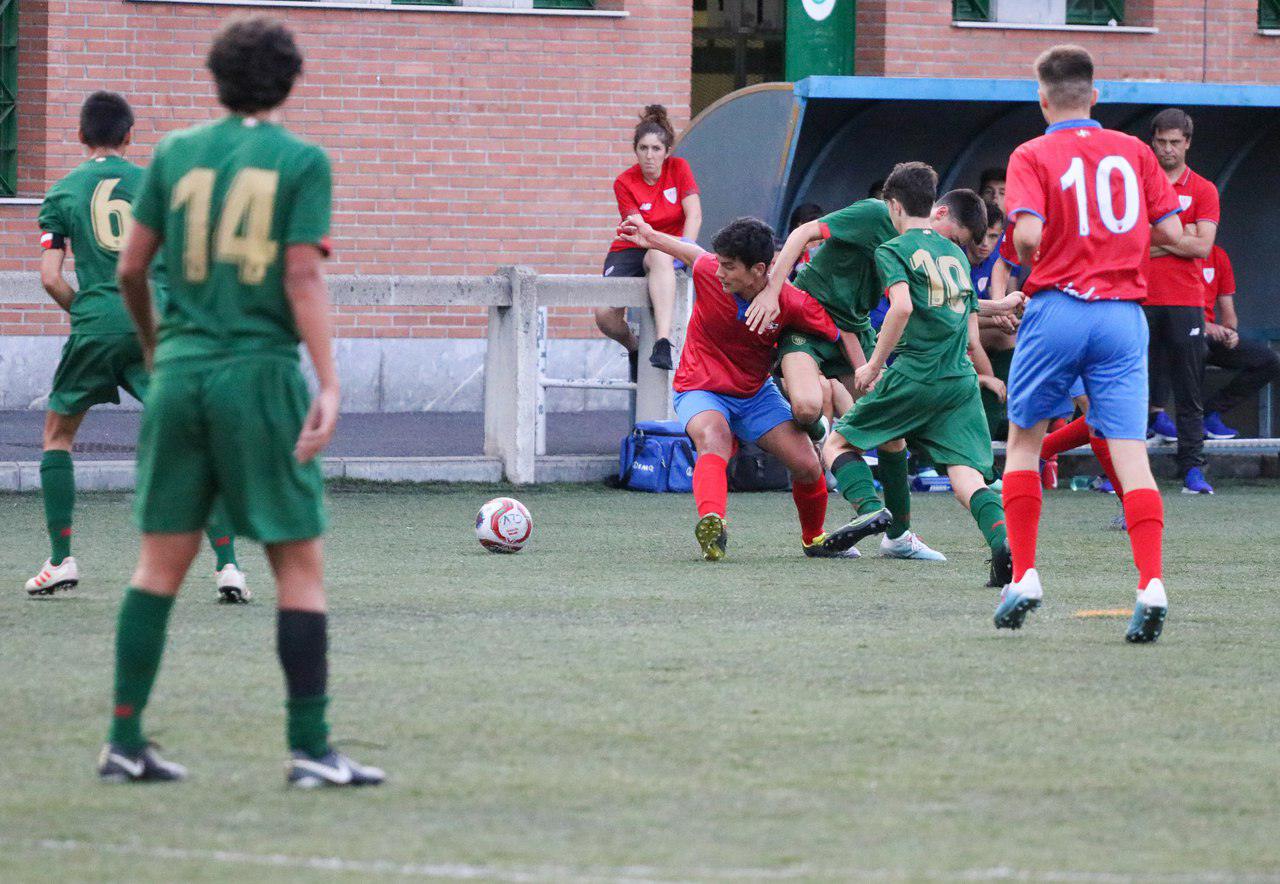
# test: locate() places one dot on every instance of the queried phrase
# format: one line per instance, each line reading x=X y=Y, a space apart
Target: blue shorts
x=749 y=418
x=1068 y=406
x=1103 y=343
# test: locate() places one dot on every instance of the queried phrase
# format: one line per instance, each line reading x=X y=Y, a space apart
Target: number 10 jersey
x=228 y=198
x=1098 y=191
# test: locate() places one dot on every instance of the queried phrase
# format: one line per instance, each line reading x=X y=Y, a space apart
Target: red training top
x=721 y=355
x=1174 y=281
x=1219 y=280
x=660 y=203
x=1098 y=192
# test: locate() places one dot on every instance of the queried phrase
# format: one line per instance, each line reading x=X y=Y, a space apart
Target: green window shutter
x=971 y=10
x=1269 y=14
x=1095 y=12
x=8 y=97
x=564 y=4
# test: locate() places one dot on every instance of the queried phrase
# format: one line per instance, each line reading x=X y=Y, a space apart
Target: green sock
x=307 y=730
x=853 y=477
x=897 y=490
x=140 y=634
x=58 y=486
x=221 y=537
x=988 y=511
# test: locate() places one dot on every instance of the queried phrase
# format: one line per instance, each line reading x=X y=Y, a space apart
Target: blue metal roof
x=965 y=89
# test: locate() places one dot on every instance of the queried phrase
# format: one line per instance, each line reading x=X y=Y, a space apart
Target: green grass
x=604 y=706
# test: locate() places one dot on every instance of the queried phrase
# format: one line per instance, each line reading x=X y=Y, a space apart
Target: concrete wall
x=377 y=374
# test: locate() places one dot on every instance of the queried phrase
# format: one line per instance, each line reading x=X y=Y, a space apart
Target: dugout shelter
x=765 y=149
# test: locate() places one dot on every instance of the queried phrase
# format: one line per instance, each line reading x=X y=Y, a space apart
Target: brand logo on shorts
x=670 y=194
x=1210 y=273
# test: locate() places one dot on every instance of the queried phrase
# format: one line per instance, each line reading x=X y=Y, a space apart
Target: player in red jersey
x=723 y=388
x=1175 y=299
x=1086 y=203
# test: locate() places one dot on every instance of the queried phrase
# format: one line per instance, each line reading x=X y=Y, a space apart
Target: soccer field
x=605 y=706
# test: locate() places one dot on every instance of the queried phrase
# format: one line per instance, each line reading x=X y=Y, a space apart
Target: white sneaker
x=231 y=588
x=54 y=577
x=909 y=546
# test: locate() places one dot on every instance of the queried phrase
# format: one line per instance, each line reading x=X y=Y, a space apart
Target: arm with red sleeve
x=626 y=202
x=1162 y=202
x=690 y=201
x=1025 y=202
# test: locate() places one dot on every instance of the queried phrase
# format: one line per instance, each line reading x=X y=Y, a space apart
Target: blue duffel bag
x=657 y=457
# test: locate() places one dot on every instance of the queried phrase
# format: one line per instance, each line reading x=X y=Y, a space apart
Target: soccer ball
x=503 y=525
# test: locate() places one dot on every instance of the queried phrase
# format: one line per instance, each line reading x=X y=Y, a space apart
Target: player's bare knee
x=806 y=408
x=60 y=431
x=894 y=446
x=835 y=446
x=658 y=263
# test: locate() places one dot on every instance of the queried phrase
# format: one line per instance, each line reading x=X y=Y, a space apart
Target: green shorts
x=228 y=430
x=92 y=370
x=828 y=354
x=943 y=417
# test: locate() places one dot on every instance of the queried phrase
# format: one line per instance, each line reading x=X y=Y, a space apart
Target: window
x=1071 y=12
x=8 y=97
x=1269 y=14
x=1095 y=12
x=563 y=4
x=971 y=10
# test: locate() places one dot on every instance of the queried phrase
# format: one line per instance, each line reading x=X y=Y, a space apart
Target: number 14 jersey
x=228 y=198
x=1098 y=191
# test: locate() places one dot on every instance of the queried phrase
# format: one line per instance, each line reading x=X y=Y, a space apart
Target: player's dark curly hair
x=1065 y=73
x=969 y=211
x=654 y=121
x=255 y=62
x=915 y=186
x=105 y=119
x=748 y=240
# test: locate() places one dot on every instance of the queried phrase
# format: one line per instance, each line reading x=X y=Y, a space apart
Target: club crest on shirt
x=670 y=194
x=1184 y=201
x=1209 y=273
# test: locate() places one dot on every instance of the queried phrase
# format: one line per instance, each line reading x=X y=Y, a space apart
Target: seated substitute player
x=723 y=388
x=930 y=394
x=89 y=210
x=1086 y=202
x=842 y=277
x=1251 y=363
x=241 y=209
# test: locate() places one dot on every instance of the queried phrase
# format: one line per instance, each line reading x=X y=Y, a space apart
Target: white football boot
x=231 y=586
x=909 y=546
x=54 y=577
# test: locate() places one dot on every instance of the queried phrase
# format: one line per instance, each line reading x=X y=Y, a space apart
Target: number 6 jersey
x=1098 y=191
x=89 y=209
x=228 y=198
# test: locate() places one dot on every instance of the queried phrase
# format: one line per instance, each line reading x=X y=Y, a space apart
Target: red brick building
x=485 y=132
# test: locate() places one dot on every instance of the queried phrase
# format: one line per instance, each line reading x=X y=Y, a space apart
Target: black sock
x=302 y=643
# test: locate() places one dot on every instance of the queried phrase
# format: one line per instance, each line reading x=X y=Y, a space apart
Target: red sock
x=1144 y=514
x=1073 y=435
x=1022 y=518
x=1103 y=453
x=711 y=484
x=811 y=504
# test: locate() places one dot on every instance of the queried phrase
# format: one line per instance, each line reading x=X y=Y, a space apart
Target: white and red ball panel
x=503 y=525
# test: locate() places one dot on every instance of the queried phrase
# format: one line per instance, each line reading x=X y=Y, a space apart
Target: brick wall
x=459 y=141
x=1196 y=41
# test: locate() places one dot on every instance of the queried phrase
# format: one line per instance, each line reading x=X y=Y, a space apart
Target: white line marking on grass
x=451 y=871
x=622 y=874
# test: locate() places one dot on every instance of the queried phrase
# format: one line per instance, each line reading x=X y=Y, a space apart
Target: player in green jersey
x=842 y=276
x=931 y=393
x=89 y=211
x=240 y=210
